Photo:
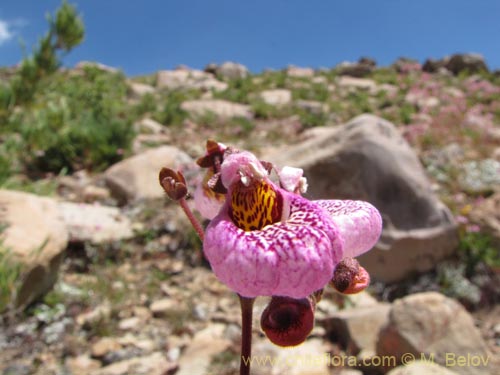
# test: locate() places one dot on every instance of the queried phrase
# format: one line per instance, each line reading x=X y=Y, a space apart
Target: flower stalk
x=246 y=305
x=192 y=219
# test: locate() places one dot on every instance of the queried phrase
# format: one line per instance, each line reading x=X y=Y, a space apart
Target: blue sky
x=148 y=35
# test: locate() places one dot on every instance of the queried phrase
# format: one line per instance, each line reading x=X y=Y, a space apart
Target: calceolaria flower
x=268 y=240
x=265 y=239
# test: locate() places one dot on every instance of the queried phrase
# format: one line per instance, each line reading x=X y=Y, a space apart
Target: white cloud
x=5 y=33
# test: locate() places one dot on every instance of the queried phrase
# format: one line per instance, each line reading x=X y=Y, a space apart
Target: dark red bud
x=287 y=321
x=213 y=157
x=349 y=277
x=173 y=183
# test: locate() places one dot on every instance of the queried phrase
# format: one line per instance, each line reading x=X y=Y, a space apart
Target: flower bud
x=287 y=321
x=173 y=183
x=349 y=277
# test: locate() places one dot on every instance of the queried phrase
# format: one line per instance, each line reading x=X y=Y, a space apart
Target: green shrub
x=476 y=248
x=309 y=119
x=315 y=91
x=360 y=101
x=274 y=80
x=267 y=111
x=238 y=90
x=147 y=104
x=385 y=75
x=65 y=32
x=171 y=113
x=406 y=112
x=10 y=271
x=76 y=121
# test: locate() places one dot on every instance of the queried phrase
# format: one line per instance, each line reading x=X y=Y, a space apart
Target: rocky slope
x=105 y=276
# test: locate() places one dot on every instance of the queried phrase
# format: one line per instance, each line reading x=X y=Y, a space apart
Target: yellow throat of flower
x=255 y=206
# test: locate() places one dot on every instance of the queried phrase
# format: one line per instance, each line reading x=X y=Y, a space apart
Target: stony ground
x=150 y=304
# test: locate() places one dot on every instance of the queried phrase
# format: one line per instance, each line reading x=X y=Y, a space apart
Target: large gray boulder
x=95 y=223
x=429 y=326
x=31 y=246
x=136 y=178
x=368 y=159
x=231 y=70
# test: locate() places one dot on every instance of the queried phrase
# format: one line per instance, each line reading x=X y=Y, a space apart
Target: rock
x=17 y=369
x=188 y=79
x=82 y=365
x=130 y=324
x=421 y=367
x=220 y=108
x=298 y=72
x=422 y=100
x=56 y=331
x=349 y=371
x=406 y=65
x=357 y=329
x=34 y=240
x=145 y=142
x=149 y=126
x=93 y=193
x=98 y=314
x=198 y=354
x=368 y=159
x=433 y=65
x=311 y=358
x=231 y=70
x=278 y=97
x=144 y=345
x=136 y=178
x=320 y=80
x=361 y=299
x=95 y=223
x=357 y=83
x=137 y=90
x=104 y=346
x=469 y=62
x=357 y=69
x=210 y=68
x=312 y=106
x=153 y=364
x=435 y=328
x=164 y=307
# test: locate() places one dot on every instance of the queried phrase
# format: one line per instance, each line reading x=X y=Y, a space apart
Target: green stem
x=246 y=334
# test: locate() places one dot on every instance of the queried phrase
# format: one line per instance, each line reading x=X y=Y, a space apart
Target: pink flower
x=269 y=241
x=208 y=197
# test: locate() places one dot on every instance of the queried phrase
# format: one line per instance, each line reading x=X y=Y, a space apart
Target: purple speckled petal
x=359 y=224
x=292 y=258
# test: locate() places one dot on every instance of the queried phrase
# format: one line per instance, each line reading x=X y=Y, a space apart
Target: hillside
x=101 y=274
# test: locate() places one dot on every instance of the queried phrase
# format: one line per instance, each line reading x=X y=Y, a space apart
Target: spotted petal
x=359 y=224
x=292 y=258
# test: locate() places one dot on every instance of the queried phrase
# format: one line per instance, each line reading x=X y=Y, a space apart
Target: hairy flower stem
x=246 y=334
x=194 y=221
